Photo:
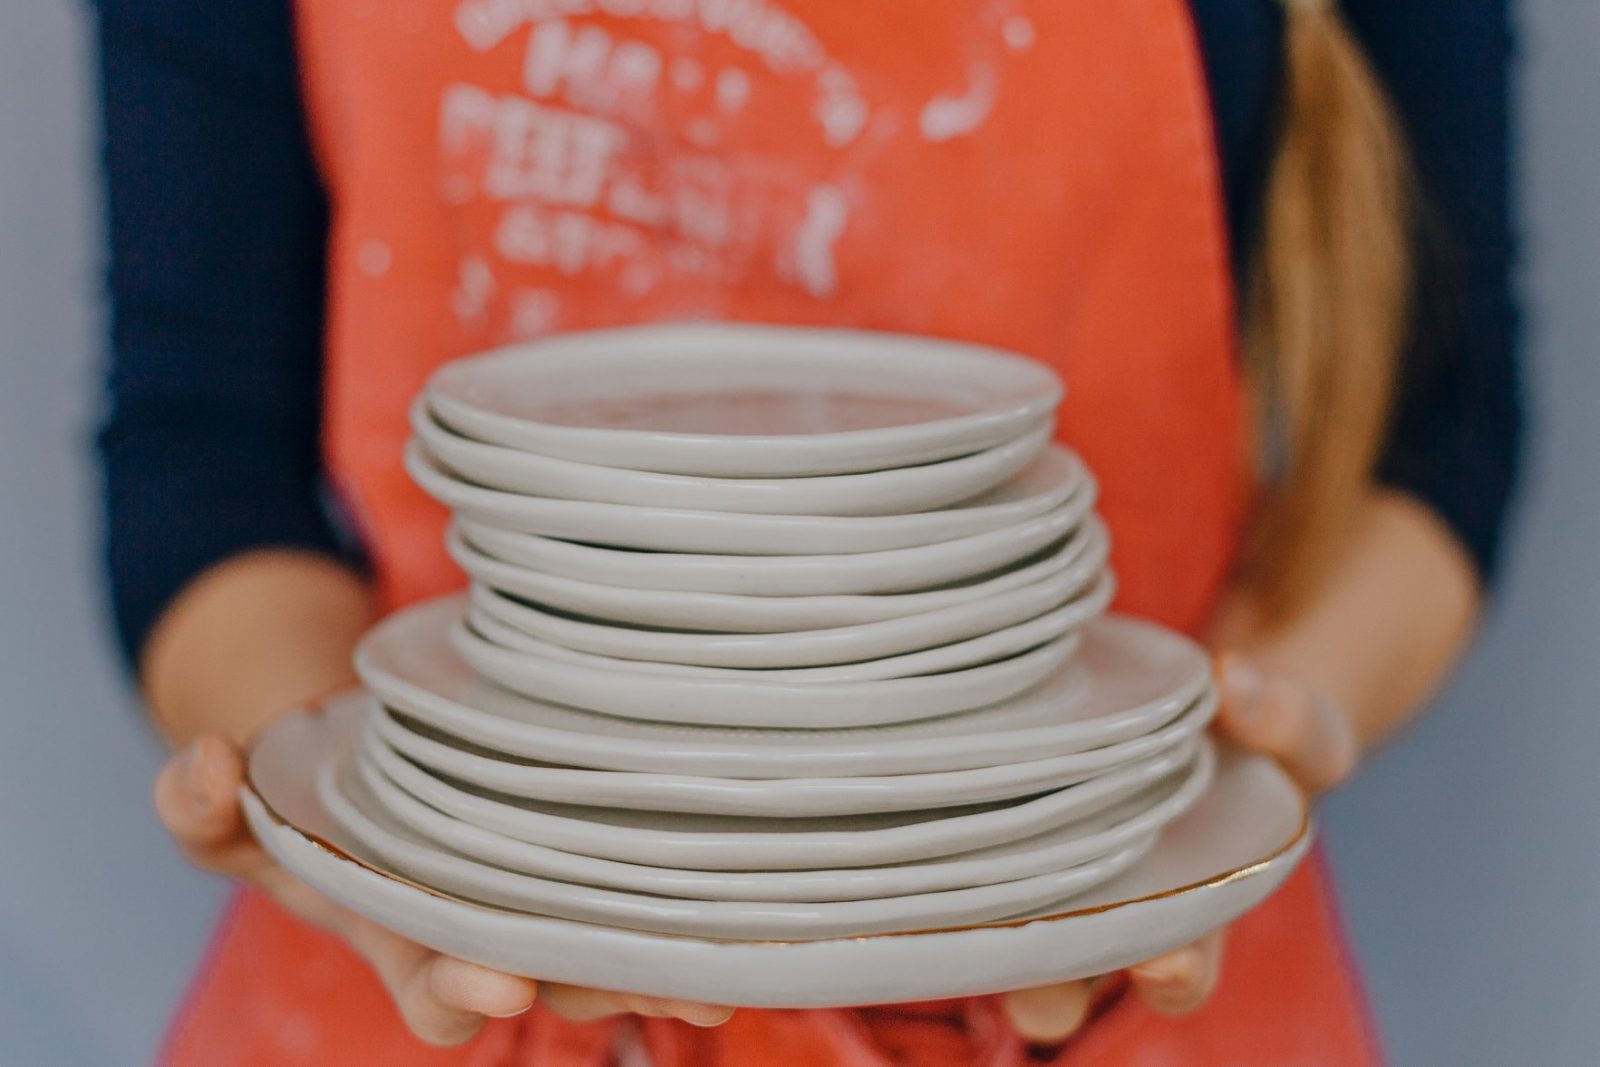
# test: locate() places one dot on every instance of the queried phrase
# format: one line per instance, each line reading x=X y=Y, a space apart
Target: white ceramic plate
x=805 y=648
x=680 y=530
x=1127 y=679
x=664 y=695
x=1225 y=856
x=391 y=844
x=795 y=402
x=485 y=612
x=896 y=570
x=754 y=843
x=772 y=797
x=1118 y=826
x=885 y=492
x=733 y=613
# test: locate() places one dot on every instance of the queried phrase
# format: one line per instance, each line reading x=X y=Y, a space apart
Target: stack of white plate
x=774 y=636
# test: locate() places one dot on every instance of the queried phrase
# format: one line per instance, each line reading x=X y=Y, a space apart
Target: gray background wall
x=1467 y=852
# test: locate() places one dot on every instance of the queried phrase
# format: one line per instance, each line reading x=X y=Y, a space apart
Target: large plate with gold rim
x=1224 y=856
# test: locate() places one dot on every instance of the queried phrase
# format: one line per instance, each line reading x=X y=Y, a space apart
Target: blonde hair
x=1327 y=305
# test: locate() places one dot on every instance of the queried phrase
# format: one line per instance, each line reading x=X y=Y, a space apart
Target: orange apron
x=1033 y=174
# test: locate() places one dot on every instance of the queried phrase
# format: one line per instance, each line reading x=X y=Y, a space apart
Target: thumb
x=1047 y=1015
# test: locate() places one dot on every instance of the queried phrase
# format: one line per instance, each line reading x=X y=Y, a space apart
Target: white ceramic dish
x=772 y=797
x=734 y=613
x=896 y=570
x=680 y=530
x=896 y=491
x=1118 y=826
x=716 y=699
x=1230 y=851
x=391 y=844
x=485 y=612
x=795 y=402
x=804 y=648
x=1127 y=679
x=753 y=843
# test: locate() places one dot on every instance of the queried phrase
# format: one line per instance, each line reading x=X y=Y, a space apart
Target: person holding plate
x=1266 y=245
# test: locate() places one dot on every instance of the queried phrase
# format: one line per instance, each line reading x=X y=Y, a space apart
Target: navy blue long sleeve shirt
x=218 y=224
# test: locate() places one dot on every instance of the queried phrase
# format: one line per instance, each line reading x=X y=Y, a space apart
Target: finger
x=578 y=1004
x=196 y=797
x=706 y=1015
x=1048 y=1014
x=1180 y=981
x=1309 y=735
x=428 y=1016
x=406 y=970
x=474 y=988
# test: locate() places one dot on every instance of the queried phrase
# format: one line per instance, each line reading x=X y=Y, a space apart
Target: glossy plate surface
x=1239 y=842
x=797 y=402
x=1127 y=679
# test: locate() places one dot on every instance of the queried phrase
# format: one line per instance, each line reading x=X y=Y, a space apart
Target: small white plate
x=757 y=843
x=1235 y=847
x=733 y=613
x=896 y=570
x=681 y=530
x=886 y=492
x=664 y=694
x=1118 y=826
x=389 y=843
x=1127 y=679
x=772 y=797
x=486 y=612
x=744 y=401
x=804 y=648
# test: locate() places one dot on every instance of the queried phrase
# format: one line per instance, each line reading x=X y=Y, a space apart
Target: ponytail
x=1327 y=305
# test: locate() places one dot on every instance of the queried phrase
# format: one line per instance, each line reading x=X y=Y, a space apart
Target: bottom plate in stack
x=314 y=807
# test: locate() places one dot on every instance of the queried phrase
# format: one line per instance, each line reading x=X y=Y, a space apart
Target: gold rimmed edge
x=1236 y=874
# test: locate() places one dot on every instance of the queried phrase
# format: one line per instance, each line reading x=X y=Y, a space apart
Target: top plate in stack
x=796 y=402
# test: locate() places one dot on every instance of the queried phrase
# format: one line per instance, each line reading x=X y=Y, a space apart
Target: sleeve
x=1457 y=431
x=209 y=445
